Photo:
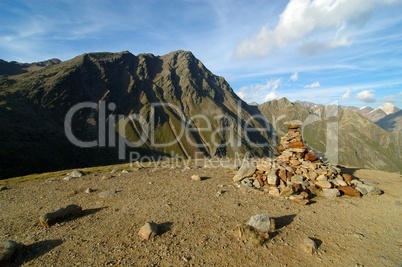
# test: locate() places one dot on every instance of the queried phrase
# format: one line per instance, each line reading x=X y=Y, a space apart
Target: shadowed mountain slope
x=161 y=105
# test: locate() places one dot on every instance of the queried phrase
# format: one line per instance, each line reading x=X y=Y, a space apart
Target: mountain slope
x=391 y=122
x=361 y=142
x=166 y=105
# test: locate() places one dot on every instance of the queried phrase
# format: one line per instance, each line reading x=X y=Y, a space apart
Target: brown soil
x=198 y=227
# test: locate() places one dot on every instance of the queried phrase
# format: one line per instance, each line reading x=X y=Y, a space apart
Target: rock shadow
x=283 y=221
x=164 y=227
x=33 y=251
x=317 y=241
x=73 y=217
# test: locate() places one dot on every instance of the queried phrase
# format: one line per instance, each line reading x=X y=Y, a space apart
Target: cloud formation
x=346 y=95
x=294 y=76
x=366 y=96
x=255 y=91
x=313 y=85
x=304 y=18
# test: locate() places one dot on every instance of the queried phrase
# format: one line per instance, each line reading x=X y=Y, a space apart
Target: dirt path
x=198 y=226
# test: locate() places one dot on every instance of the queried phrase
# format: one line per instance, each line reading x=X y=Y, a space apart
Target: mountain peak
x=389 y=108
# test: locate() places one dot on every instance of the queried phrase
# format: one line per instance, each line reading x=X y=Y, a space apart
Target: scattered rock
x=3 y=187
x=196 y=177
x=286 y=192
x=323 y=184
x=247 y=169
x=262 y=222
x=330 y=193
x=113 y=171
x=108 y=193
x=370 y=189
x=72 y=210
x=148 y=231
x=124 y=171
x=89 y=190
x=309 y=246
x=76 y=174
x=295 y=124
x=7 y=250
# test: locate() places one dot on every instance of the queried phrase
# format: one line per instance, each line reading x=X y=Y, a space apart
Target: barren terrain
x=198 y=225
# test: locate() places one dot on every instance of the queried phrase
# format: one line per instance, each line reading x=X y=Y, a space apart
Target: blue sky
x=349 y=51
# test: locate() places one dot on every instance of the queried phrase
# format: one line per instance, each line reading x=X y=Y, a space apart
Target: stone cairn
x=297 y=173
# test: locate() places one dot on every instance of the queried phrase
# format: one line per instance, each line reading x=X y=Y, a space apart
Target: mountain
x=15 y=68
x=388 y=108
x=361 y=143
x=391 y=122
x=376 y=114
x=365 y=110
x=125 y=105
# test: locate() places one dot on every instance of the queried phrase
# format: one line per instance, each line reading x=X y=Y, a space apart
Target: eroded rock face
x=298 y=170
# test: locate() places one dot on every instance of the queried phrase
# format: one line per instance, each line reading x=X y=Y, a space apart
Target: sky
x=323 y=51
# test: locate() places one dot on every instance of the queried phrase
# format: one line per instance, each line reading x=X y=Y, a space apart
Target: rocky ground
x=197 y=221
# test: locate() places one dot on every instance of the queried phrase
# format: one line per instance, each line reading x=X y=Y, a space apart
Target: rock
x=310 y=156
x=300 y=201
x=262 y=222
x=272 y=179
x=349 y=191
x=341 y=182
x=348 y=178
x=330 y=193
x=148 y=231
x=362 y=190
x=294 y=124
x=76 y=174
x=322 y=177
x=309 y=246
x=7 y=250
x=50 y=218
x=113 y=171
x=247 y=182
x=89 y=190
x=297 y=179
x=321 y=171
x=294 y=162
x=67 y=178
x=247 y=169
x=124 y=171
x=323 y=184
x=282 y=174
x=312 y=176
x=370 y=189
x=108 y=193
x=196 y=177
x=273 y=191
x=3 y=187
x=286 y=192
x=297 y=144
x=256 y=184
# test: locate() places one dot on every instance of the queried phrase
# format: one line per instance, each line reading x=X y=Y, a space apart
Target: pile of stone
x=298 y=173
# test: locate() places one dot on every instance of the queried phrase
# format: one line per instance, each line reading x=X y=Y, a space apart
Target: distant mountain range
x=386 y=116
x=143 y=102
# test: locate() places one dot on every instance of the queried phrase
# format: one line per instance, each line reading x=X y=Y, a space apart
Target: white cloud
x=346 y=95
x=254 y=92
x=313 y=85
x=294 y=76
x=302 y=19
x=271 y=96
x=366 y=96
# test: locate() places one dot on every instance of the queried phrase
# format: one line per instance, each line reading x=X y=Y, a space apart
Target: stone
x=148 y=231
x=286 y=192
x=312 y=176
x=330 y=193
x=297 y=179
x=89 y=190
x=311 y=166
x=124 y=171
x=309 y=246
x=323 y=184
x=7 y=250
x=297 y=144
x=321 y=171
x=76 y=174
x=196 y=177
x=294 y=124
x=247 y=169
x=349 y=191
x=262 y=222
x=294 y=162
x=282 y=174
x=362 y=190
x=3 y=187
x=300 y=201
x=273 y=191
x=310 y=156
x=272 y=179
x=256 y=184
x=371 y=190
x=348 y=178
x=70 y=211
x=108 y=193
x=341 y=182
x=113 y=171
x=322 y=177
x=247 y=182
